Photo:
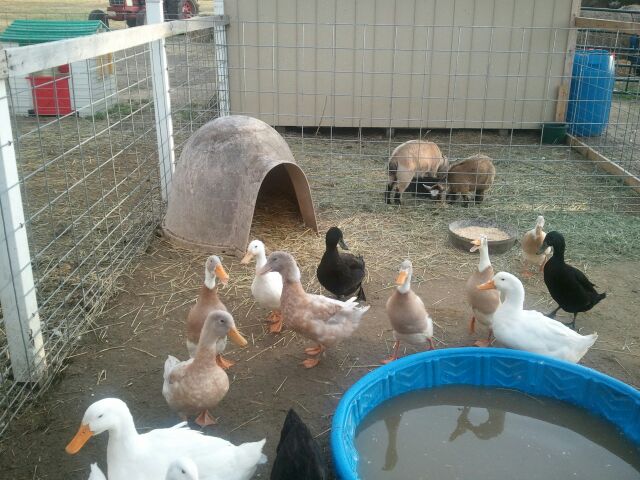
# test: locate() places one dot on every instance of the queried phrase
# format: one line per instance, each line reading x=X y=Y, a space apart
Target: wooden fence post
x=161 y=101
x=17 y=290
x=222 y=64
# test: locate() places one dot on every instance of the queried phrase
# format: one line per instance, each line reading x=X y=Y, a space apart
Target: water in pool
x=463 y=432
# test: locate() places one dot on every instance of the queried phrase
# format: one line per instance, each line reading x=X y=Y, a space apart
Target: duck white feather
x=530 y=330
x=133 y=456
x=266 y=289
x=96 y=473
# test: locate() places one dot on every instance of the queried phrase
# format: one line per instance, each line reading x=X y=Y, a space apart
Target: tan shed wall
x=403 y=63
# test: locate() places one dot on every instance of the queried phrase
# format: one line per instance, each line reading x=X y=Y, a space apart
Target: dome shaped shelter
x=223 y=168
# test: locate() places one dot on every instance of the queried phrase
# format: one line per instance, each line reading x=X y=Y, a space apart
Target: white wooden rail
x=17 y=290
x=32 y=58
x=161 y=100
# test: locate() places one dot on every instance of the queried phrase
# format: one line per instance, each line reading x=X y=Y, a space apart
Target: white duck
x=182 y=469
x=266 y=289
x=131 y=456
x=483 y=303
x=530 y=330
x=531 y=243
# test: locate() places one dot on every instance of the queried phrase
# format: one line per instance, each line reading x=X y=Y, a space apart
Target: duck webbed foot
x=224 y=363
x=317 y=350
x=276 y=323
x=314 y=353
x=204 y=419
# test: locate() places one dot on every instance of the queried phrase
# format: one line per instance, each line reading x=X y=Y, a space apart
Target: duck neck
x=124 y=433
x=261 y=260
x=484 y=262
x=558 y=253
x=292 y=275
x=406 y=286
x=331 y=248
x=206 y=350
x=514 y=298
x=209 y=279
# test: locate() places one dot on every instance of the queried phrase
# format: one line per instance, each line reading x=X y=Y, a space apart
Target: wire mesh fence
x=344 y=93
x=347 y=92
x=86 y=146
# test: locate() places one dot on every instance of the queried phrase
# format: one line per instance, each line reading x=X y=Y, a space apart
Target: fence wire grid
x=343 y=94
x=346 y=95
x=87 y=155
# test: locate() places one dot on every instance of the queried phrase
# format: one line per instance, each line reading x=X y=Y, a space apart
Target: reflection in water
x=392 y=422
x=423 y=435
x=493 y=427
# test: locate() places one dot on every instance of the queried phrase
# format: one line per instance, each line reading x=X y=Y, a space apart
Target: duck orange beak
x=487 y=286
x=247 y=258
x=401 y=278
x=221 y=273
x=476 y=245
x=77 y=442
x=235 y=337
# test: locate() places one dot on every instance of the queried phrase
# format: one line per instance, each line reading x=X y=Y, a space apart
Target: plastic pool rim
x=592 y=382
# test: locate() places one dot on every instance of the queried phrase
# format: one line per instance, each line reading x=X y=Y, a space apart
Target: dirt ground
x=123 y=354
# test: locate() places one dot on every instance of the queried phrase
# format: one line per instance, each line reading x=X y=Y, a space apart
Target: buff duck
x=531 y=242
x=529 y=330
x=483 y=303
x=134 y=456
x=195 y=386
x=266 y=289
x=207 y=302
x=340 y=273
x=567 y=285
x=324 y=320
x=409 y=318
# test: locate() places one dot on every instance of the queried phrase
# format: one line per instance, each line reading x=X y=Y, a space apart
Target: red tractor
x=134 y=11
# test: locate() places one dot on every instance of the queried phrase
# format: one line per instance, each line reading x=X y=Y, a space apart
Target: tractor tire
x=99 y=15
x=131 y=22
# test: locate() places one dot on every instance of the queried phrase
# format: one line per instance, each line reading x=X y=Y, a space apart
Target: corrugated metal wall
x=403 y=63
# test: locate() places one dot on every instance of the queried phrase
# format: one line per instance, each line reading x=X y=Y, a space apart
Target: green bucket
x=554 y=133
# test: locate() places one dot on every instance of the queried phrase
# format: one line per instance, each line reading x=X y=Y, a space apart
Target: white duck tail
x=252 y=452
x=583 y=344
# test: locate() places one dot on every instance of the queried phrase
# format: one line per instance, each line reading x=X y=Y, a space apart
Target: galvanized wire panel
x=87 y=154
x=330 y=78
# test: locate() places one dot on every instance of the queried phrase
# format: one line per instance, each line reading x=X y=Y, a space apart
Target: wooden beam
x=17 y=290
x=33 y=58
x=561 y=105
x=604 y=163
x=610 y=25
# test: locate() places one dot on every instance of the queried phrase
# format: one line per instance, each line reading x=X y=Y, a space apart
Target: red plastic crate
x=51 y=95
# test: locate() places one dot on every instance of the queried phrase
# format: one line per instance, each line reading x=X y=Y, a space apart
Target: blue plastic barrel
x=591 y=92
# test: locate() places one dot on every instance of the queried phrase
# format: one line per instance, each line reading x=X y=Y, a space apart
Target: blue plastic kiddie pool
x=534 y=374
